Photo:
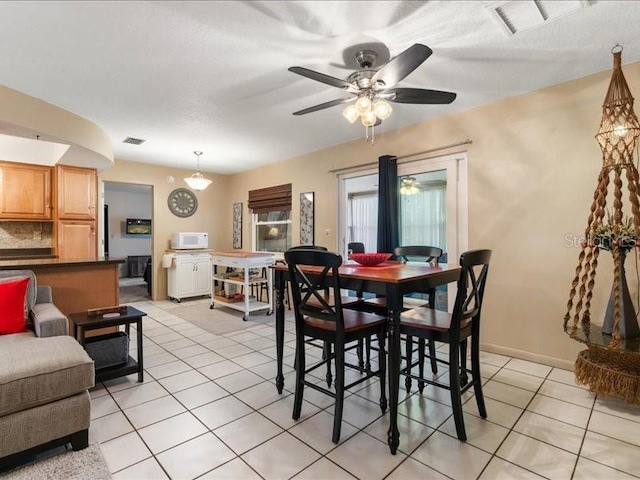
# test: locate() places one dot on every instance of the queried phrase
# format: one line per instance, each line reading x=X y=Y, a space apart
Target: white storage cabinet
x=189 y=276
x=244 y=261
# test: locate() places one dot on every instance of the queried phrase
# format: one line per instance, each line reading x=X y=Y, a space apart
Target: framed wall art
x=237 y=225
x=306 y=219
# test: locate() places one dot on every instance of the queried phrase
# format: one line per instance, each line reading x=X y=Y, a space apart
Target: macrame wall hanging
x=611 y=363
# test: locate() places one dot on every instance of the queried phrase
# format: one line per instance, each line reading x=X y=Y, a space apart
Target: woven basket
x=608 y=372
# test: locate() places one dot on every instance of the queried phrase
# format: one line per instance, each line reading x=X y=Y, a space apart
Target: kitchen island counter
x=77 y=285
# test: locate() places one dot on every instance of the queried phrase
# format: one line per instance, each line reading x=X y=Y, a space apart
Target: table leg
x=140 y=354
x=279 y=277
x=393 y=435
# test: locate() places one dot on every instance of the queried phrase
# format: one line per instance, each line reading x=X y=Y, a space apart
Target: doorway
x=128 y=233
x=432 y=207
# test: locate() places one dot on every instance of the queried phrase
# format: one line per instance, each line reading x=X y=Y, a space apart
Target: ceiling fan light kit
x=197 y=181
x=372 y=89
x=409 y=186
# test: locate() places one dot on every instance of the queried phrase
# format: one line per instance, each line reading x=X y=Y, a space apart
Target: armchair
x=44 y=382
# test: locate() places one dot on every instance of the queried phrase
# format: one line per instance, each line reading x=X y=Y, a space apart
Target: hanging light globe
x=369 y=119
x=197 y=180
x=363 y=104
x=351 y=113
x=382 y=109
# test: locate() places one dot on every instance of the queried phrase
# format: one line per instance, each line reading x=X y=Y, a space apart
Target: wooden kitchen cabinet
x=76 y=240
x=25 y=192
x=77 y=189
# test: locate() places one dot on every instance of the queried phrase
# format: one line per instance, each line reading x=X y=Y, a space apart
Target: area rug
x=220 y=320
x=87 y=464
x=134 y=293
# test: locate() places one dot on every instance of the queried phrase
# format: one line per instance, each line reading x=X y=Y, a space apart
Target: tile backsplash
x=26 y=235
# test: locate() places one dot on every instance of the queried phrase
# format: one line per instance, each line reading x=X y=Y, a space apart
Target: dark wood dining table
x=390 y=279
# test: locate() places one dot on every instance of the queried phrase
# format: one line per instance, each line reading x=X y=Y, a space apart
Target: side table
x=84 y=321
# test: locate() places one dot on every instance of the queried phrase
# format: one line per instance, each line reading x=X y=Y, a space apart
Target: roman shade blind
x=270 y=199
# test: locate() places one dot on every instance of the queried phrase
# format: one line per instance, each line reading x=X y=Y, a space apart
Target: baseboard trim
x=532 y=357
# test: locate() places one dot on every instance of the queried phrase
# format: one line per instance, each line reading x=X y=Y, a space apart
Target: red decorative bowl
x=370 y=259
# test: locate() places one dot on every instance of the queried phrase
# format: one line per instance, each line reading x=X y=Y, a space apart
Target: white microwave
x=189 y=240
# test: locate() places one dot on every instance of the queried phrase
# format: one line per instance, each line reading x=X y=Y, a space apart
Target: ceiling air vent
x=517 y=16
x=133 y=141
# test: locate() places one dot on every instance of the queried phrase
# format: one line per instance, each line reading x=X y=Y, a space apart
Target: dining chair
x=421 y=253
x=286 y=283
x=316 y=318
x=358 y=247
x=455 y=329
x=355 y=247
x=346 y=301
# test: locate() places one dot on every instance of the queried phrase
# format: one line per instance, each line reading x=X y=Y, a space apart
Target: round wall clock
x=182 y=202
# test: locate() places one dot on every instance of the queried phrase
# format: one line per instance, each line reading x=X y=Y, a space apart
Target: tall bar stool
x=316 y=318
x=422 y=253
x=455 y=329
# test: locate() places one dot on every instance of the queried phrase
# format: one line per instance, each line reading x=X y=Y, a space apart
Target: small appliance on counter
x=189 y=240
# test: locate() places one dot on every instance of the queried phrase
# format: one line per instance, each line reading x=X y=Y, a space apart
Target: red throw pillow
x=12 y=297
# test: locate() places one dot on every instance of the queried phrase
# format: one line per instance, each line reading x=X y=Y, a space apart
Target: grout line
x=326 y=409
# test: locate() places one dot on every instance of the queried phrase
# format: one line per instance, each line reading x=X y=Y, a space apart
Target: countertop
x=57 y=262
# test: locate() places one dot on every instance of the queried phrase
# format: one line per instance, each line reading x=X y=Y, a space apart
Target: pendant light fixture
x=197 y=181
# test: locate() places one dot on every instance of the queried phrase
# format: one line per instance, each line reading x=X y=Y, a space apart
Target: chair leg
x=339 y=385
x=456 y=399
x=432 y=355
x=300 y=372
x=360 y=352
x=475 y=373
x=327 y=356
x=409 y=355
x=464 y=379
x=421 y=364
x=367 y=363
x=382 y=371
x=286 y=286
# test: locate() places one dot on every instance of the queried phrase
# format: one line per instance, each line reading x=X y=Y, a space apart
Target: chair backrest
x=310 y=247
x=356 y=247
x=309 y=288
x=423 y=253
x=473 y=277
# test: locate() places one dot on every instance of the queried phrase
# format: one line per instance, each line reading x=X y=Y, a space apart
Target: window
x=363 y=219
x=271 y=218
x=272 y=231
x=423 y=216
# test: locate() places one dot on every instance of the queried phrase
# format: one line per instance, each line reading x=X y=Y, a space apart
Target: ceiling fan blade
x=321 y=77
x=322 y=106
x=402 y=65
x=420 y=95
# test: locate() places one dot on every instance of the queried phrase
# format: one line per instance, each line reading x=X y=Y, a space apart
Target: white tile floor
x=209 y=409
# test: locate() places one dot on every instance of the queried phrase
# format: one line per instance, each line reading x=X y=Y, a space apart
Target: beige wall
x=533 y=166
x=209 y=217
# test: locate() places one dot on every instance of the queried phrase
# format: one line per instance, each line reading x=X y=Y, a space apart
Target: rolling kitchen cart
x=242 y=263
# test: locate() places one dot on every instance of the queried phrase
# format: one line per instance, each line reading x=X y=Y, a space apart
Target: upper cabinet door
x=25 y=192
x=76 y=193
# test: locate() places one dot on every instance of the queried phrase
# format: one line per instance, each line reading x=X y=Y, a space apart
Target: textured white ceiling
x=212 y=76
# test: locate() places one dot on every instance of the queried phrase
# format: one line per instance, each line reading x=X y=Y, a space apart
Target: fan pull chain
x=370 y=138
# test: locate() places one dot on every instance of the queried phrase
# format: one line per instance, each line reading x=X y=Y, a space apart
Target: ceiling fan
x=372 y=88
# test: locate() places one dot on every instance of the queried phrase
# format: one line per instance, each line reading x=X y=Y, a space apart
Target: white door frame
x=457 y=202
